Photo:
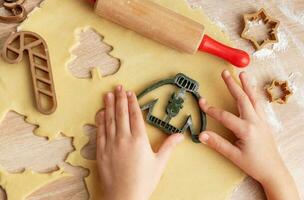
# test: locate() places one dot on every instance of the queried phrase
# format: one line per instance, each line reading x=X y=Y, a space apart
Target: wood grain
x=91 y=53
x=20 y=140
x=154 y=21
x=286 y=120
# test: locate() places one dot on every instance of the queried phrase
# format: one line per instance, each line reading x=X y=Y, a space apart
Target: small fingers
x=244 y=104
x=137 y=123
x=110 y=116
x=221 y=145
x=252 y=94
x=122 y=112
x=101 y=132
x=168 y=146
x=228 y=119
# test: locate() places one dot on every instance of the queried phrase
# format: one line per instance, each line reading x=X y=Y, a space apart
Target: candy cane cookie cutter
x=17 y=10
x=42 y=78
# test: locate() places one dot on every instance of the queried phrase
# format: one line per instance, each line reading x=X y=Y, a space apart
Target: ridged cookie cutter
x=284 y=89
x=175 y=104
x=17 y=10
x=272 y=34
x=42 y=78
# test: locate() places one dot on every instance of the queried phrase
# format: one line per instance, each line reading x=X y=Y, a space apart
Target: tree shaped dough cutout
x=89 y=53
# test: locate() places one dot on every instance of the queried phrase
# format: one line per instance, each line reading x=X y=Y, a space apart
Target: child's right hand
x=255 y=150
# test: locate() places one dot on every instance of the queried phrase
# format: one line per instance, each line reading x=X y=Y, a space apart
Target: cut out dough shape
x=2 y=194
x=70 y=188
x=89 y=150
x=89 y=53
x=21 y=149
x=194 y=171
x=21 y=184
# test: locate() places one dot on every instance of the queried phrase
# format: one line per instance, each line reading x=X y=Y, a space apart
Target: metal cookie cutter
x=17 y=10
x=175 y=104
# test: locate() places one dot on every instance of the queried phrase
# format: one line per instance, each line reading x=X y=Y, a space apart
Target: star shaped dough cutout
x=273 y=24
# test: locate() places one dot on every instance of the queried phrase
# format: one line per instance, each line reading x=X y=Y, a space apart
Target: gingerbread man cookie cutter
x=42 y=78
x=285 y=91
x=17 y=10
x=266 y=19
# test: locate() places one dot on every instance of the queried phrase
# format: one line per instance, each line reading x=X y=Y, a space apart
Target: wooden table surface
x=285 y=61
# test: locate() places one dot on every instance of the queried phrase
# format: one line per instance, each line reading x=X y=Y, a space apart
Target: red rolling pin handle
x=236 y=57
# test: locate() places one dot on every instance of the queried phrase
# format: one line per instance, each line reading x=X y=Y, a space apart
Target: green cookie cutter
x=175 y=104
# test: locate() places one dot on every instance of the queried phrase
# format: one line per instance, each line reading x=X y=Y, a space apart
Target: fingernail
x=180 y=137
x=226 y=73
x=203 y=100
x=204 y=138
x=129 y=94
x=109 y=95
x=119 y=88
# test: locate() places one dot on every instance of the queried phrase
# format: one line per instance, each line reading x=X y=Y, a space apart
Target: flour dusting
x=281 y=46
x=220 y=24
x=272 y=118
x=264 y=54
x=296 y=87
x=297 y=42
x=255 y=23
x=297 y=17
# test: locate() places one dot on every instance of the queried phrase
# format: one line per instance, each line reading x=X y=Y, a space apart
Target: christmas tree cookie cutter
x=42 y=78
x=175 y=104
x=285 y=91
x=17 y=10
x=266 y=19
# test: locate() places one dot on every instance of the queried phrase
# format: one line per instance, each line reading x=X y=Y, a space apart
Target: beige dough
x=194 y=172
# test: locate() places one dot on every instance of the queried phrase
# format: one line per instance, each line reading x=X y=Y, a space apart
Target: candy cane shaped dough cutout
x=39 y=59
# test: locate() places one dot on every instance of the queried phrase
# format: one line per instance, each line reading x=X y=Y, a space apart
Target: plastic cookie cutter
x=175 y=104
x=272 y=27
x=37 y=51
x=15 y=7
x=284 y=90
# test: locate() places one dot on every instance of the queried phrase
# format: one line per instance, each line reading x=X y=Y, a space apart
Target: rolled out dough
x=194 y=172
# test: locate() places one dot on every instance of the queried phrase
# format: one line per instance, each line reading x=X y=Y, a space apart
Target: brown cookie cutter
x=38 y=55
x=272 y=34
x=17 y=10
x=284 y=88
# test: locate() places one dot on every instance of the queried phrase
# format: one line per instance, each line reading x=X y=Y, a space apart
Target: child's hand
x=255 y=150
x=128 y=167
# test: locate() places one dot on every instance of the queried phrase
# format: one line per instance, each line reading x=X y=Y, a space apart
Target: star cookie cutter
x=285 y=90
x=267 y=20
x=37 y=52
x=175 y=104
x=17 y=10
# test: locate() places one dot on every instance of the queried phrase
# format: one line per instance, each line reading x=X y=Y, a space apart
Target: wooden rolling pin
x=167 y=27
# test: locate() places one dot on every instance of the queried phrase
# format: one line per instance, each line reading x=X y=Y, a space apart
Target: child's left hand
x=128 y=167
